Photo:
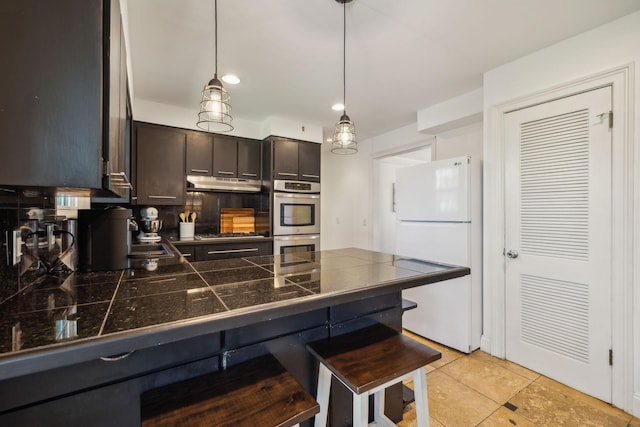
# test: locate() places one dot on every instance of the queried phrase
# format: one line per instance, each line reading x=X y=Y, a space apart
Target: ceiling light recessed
x=231 y=79
x=337 y=107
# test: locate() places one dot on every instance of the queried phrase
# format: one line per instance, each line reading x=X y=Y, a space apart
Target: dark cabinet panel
x=233 y=250
x=225 y=157
x=285 y=159
x=199 y=153
x=309 y=161
x=295 y=160
x=59 y=93
x=105 y=391
x=249 y=159
x=189 y=252
x=114 y=151
x=51 y=93
x=160 y=165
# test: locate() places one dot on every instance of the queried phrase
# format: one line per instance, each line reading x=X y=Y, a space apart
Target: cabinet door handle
x=162 y=197
x=310 y=176
x=232 y=251
x=117 y=357
x=185 y=255
x=249 y=174
x=200 y=170
x=225 y=173
x=287 y=174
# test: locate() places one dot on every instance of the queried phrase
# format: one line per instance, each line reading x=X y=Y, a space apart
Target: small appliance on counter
x=104 y=238
x=45 y=240
x=149 y=224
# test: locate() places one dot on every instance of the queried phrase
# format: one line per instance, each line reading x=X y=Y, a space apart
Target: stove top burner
x=211 y=236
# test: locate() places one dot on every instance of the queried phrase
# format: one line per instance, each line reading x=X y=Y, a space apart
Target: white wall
x=186 y=118
x=463 y=141
x=345 y=198
x=291 y=129
x=451 y=114
x=607 y=47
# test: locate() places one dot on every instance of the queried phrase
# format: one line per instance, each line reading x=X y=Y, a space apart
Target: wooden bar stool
x=368 y=361
x=259 y=392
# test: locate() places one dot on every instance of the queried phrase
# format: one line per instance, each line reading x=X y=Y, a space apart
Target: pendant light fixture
x=344 y=135
x=215 y=110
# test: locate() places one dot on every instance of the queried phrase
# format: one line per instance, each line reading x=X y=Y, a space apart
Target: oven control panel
x=296 y=186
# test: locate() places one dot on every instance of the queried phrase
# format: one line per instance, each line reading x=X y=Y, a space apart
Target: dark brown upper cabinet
x=199 y=153
x=62 y=94
x=159 y=153
x=222 y=156
x=296 y=160
x=309 y=161
x=225 y=156
x=249 y=160
x=285 y=159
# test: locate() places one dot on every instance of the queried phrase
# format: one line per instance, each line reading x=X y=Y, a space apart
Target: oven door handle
x=309 y=237
x=296 y=196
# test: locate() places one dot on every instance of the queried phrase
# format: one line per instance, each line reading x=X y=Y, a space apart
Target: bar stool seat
x=368 y=361
x=258 y=392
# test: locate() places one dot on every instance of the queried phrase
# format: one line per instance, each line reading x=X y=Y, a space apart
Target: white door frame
x=493 y=340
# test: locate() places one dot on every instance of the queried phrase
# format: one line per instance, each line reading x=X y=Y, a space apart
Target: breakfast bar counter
x=98 y=340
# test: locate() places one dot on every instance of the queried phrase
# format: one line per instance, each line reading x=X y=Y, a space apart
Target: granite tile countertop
x=92 y=314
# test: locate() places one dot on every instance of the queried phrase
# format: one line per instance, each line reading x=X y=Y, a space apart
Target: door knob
x=512 y=254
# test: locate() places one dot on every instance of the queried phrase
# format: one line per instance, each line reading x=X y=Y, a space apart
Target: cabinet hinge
x=106 y=168
x=610 y=119
x=610 y=357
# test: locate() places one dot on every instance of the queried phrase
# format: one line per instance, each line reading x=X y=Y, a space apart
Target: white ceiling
x=402 y=55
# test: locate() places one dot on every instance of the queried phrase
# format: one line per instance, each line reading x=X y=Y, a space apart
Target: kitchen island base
x=106 y=392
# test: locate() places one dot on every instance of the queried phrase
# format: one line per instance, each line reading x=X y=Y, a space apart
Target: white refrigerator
x=439 y=218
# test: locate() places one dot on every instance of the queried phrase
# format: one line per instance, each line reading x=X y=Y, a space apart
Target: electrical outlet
x=16 y=256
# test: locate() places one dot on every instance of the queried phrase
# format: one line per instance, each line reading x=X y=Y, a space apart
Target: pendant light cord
x=215 y=35
x=344 y=55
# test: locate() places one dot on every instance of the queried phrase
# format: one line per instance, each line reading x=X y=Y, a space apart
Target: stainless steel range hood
x=212 y=183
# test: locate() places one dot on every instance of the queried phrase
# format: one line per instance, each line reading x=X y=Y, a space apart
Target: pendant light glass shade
x=344 y=134
x=215 y=109
x=344 y=137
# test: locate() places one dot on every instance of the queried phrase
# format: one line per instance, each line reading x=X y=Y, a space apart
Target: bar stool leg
x=380 y=418
x=422 y=401
x=360 y=410
x=322 y=396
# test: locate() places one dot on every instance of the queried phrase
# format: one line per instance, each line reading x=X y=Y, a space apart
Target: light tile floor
x=471 y=390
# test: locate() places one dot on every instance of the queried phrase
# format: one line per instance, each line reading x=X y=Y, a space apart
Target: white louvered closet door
x=558 y=227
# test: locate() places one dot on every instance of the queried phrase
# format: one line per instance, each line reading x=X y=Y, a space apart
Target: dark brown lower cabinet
x=189 y=252
x=232 y=250
x=106 y=392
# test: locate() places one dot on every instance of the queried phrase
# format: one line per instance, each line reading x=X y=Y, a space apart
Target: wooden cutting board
x=244 y=224
x=237 y=220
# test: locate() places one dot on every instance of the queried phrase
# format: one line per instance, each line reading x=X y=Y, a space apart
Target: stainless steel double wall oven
x=296 y=216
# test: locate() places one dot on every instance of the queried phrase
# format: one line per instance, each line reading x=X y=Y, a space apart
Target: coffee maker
x=149 y=225
x=104 y=238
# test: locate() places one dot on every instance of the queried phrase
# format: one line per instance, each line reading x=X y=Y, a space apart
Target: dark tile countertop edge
x=55 y=356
